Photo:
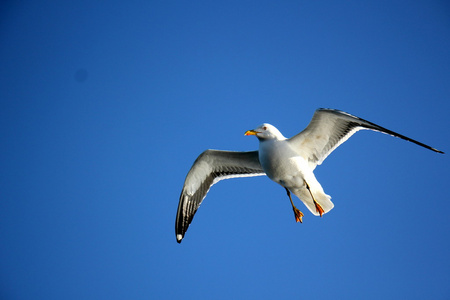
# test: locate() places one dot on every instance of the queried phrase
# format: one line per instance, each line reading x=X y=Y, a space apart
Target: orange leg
x=319 y=208
x=298 y=214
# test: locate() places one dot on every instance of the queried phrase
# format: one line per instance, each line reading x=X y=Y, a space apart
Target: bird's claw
x=319 y=208
x=298 y=215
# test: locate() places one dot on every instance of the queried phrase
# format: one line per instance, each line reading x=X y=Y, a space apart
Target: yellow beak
x=250 y=132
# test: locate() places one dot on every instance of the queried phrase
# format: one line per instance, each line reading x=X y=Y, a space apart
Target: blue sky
x=104 y=108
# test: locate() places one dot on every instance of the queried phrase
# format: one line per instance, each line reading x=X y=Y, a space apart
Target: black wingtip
x=382 y=129
x=179 y=238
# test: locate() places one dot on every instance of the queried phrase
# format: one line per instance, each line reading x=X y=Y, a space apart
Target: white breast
x=281 y=163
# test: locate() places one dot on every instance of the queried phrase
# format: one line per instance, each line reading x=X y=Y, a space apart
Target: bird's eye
x=265 y=128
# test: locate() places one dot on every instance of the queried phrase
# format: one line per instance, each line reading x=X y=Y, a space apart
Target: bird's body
x=287 y=167
x=289 y=162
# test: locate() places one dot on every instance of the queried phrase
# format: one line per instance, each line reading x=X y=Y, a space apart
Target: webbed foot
x=298 y=214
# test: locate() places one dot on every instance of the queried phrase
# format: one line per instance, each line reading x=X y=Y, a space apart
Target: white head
x=266 y=132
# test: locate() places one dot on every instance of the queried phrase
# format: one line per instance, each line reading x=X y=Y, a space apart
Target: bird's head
x=266 y=132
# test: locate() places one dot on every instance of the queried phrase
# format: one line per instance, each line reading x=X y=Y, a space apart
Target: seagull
x=290 y=162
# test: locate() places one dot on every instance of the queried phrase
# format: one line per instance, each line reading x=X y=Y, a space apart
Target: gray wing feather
x=209 y=168
x=329 y=128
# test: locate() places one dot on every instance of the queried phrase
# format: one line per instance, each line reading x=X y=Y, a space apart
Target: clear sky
x=104 y=108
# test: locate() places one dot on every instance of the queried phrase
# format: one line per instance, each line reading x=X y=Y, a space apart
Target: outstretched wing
x=329 y=128
x=210 y=167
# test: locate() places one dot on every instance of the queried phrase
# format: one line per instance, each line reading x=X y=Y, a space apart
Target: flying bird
x=289 y=162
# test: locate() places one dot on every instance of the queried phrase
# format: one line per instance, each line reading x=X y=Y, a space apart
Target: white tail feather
x=323 y=199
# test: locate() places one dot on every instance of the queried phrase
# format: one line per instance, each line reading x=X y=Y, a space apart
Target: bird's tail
x=321 y=198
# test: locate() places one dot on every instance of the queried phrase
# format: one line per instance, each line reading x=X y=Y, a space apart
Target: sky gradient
x=104 y=108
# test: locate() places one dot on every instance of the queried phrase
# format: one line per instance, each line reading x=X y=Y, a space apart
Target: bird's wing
x=210 y=167
x=329 y=128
